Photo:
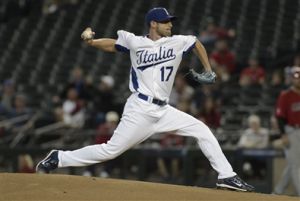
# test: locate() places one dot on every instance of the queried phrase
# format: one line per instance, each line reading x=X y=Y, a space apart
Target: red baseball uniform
x=288 y=107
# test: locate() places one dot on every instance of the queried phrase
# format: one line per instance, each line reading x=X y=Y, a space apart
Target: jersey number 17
x=166 y=72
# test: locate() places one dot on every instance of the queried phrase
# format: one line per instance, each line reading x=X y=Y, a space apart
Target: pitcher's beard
x=164 y=33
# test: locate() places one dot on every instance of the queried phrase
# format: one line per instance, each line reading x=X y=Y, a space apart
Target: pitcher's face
x=164 y=29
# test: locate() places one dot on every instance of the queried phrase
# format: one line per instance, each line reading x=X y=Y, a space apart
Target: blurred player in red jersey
x=288 y=115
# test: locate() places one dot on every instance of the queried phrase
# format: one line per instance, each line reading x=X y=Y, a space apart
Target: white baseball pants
x=139 y=121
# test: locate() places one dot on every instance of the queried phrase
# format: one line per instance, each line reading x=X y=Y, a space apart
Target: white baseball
x=87 y=34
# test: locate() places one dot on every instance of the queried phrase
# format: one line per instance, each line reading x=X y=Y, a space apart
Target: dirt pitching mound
x=65 y=187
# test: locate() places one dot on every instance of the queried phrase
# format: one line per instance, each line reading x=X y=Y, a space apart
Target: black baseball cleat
x=234 y=183
x=49 y=163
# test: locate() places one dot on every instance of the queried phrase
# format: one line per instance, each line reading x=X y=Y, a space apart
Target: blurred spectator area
x=40 y=45
x=38 y=50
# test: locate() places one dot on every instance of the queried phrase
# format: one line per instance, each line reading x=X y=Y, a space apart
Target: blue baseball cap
x=159 y=14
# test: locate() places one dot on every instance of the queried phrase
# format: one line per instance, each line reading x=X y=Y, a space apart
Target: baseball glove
x=87 y=34
x=207 y=77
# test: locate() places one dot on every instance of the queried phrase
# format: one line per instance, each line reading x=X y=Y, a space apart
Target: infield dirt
x=38 y=187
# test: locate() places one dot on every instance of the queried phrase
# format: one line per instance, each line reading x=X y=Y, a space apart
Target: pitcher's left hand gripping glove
x=207 y=77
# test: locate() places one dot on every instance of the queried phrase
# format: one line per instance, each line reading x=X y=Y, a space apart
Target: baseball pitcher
x=154 y=62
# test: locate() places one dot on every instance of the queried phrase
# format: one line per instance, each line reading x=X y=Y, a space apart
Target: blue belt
x=154 y=100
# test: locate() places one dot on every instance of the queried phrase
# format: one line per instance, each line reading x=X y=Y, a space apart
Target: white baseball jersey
x=154 y=63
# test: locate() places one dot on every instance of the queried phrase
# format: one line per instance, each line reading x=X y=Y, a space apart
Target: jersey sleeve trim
x=189 y=49
x=121 y=48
